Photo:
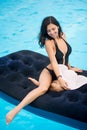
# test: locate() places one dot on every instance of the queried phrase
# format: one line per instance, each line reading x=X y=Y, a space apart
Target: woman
x=58 y=75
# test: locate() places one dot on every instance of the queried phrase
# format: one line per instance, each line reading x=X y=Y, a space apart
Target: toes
x=8 y=119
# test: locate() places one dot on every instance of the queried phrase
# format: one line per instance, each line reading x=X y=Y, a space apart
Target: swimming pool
x=19 y=24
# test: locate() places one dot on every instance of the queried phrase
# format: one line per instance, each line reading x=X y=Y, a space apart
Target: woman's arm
x=74 y=68
x=69 y=66
x=51 y=54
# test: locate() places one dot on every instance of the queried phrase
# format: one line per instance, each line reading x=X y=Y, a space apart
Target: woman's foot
x=10 y=115
x=34 y=81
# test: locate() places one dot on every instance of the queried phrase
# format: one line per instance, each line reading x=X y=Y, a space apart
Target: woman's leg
x=44 y=84
x=55 y=86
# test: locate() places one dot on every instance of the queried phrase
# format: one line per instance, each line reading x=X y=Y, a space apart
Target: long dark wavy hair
x=43 y=30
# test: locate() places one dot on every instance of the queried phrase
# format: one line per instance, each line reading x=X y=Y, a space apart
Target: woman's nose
x=52 y=32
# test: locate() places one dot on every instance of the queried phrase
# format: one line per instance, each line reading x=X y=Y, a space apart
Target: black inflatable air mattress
x=15 y=69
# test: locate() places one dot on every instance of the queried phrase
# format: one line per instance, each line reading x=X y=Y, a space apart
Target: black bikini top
x=61 y=59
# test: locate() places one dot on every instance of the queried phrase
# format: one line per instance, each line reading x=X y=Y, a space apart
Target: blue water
x=20 y=23
x=19 y=27
x=35 y=119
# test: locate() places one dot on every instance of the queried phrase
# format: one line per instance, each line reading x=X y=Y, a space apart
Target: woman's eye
x=53 y=29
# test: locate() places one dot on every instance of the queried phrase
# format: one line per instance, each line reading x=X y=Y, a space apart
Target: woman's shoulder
x=49 y=44
x=47 y=41
x=63 y=36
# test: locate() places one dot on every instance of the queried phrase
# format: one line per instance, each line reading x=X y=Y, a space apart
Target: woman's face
x=52 y=30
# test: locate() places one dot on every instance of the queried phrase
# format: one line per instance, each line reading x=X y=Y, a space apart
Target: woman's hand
x=63 y=83
x=76 y=69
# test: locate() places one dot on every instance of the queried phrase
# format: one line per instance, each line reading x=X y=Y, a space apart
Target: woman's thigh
x=45 y=79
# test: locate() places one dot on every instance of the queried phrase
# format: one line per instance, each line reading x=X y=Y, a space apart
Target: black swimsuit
x=52 y=74
x=59 y=56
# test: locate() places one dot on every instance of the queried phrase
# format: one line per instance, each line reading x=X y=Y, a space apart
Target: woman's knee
x=56 y=87
x=43 y=89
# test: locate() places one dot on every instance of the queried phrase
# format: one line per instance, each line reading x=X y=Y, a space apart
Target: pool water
x=19 y=24
x=34 y=119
